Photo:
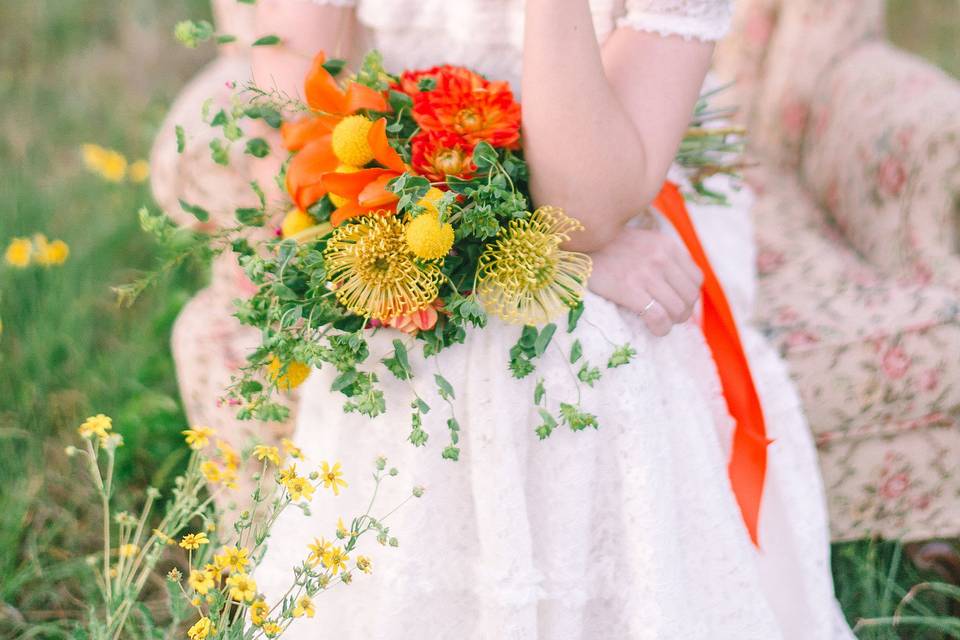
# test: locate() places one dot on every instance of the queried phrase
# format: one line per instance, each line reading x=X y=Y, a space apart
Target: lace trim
x=687 y=27
x=333 y=3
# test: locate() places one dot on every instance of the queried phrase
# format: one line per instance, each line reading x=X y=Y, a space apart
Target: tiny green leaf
x=266 y=41
x=258 y=147
x=444 y=388
x=334 y=66
x=543 y=340
x=576 y=351
x=181 y=138
x=199 y=213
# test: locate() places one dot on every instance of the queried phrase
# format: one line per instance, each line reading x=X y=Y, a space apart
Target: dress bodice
x=487 y=35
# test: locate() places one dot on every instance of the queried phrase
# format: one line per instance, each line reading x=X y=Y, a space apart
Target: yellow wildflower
x=198 y=437
x=228 y=477
x=242 y=587
x=194 y=540
x=201 y=581
x=50 y=253
x=292 y=377
x=139 y=171
x=291 y=449
x=214 y=571
x=229 y=455
x=19 y=252
x=201 y=629
x=299 y=489
x=318 y=548
x=336 y=560
x=295 y=221
x=287 y=474
x=272 y=629
x=342 y=531
x=211 y=471
x=304 y=607
x=259 y=611
x=268 y=453
x=128 y=550
x=174 y=575
x=233 y=558
x=524 y=277
x=376 y=273
x=339 y=201
x=107 y=163
x=97 y=425
x=350 y=141
x=364 y=564
x=332 y=477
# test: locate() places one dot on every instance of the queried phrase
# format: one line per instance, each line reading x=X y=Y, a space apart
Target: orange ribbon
x=748 y=458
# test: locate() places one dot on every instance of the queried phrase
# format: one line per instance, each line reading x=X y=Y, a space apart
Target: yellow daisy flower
x=268 y=453
x=304 y=607
x=107 y=163
x=374 y=272
x=201 y=581
x=332 y=477
x=139 y=171
x=342 y=531
x=524 y=277
x=97 y=425
x=287 y=474
x=201 y=629
x=364 y=564
x=212 y=472
x=233 y=558
x=19 y=252
x=50 y=254
x=194 y=540
x=299 y=489
x=318 y=548
x=242 y=587
x=336 y=560
x=272 y=629
x=198 y=437
x=229 y=455
x=128 y=550
x=259 y=611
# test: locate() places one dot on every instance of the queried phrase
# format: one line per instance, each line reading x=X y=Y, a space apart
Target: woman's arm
x=601 y=128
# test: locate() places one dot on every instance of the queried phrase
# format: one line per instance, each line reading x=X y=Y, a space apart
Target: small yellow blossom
x=304 y=607
x=294 y=375
x=296 y=221
x=291 y=449
x=342 y=531
x=198 y=437
x=228 y=477
x=212 y=472
x=318 y=548
x=174 y=575
x=272 y=629
x=350 y=143
x=163 y=538
x=19 y=252
x=97 y=425
x=336 y=560
x=364 y=564
x=194 y=540
x=201 y=629
x=233 y=558
x=268 y=453
x=214 y=570
x=299 y=489
x=50 y=254
x=259 y=611
x=128 y=550
x=229 y=455
x=201 y=581
x=332 y=477
x=107 y=163
x=427 y=237
x=242 y=587
x=287 y=474
x=139 y=171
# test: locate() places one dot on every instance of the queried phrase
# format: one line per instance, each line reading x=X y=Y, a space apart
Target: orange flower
x=410 y=80
x=315 y=138
x=422 y=320
x=467 y=104
x=438 y=154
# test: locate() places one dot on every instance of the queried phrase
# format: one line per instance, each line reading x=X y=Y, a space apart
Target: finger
x=678 y=310
x=686 y=288
x=657 y=320
x=688 y=265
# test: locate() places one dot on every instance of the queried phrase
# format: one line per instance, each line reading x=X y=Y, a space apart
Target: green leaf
x=588 y=374
x=344 y=380
x=427 y=83
x=219 y=152
x=219 y=119
x=539 y=392
x=334 y=66
x=451 y=453
x=444 y=388
x=226 y=39
x=576 y=351
x=485 y=156
x=181 y=138
x=266 y=41
x=549 y=424
x=250 y=217
x=399 y=364
x=420 y=405
x=574 y=317
x=197 y=212
x=543 y=340
x=621 y=355
x=258 y=147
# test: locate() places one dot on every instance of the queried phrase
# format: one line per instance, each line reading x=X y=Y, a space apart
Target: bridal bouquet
x=410 y=213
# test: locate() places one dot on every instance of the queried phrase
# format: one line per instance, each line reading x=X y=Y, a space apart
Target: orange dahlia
x=467 y=104
x=410 y=80
x=438 y=154
x=332 y=136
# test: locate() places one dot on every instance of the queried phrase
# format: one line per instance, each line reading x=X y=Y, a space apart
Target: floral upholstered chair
x=858 y=226
x=209 y=344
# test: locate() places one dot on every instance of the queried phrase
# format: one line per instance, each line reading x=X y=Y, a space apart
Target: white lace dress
x=630 y=531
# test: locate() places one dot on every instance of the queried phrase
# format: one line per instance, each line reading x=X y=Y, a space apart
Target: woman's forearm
x=597 y=142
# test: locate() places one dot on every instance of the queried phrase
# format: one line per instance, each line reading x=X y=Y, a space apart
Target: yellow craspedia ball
x=296 y=221
x=339 y=201
x=350 y=143
x=428 y=238
x=296 y=373
x=430 y=199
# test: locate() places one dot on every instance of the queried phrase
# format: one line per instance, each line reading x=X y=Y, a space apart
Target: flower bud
x=418 y=491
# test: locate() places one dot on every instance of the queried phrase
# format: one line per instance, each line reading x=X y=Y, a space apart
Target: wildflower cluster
x=112 y=165
x=216 y=592
x=22 y=252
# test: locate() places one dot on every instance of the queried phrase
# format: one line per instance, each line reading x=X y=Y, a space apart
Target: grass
x=104 y=72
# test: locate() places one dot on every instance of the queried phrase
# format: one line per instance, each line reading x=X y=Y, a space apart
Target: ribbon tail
x=748 y=457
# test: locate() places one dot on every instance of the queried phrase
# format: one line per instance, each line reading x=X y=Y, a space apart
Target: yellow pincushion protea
x=350 y=143
x=374 y=272
x=295 y=374
x=524 y=277
x=339 y=201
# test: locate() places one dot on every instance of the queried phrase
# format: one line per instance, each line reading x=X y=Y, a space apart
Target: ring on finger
x=647 y=308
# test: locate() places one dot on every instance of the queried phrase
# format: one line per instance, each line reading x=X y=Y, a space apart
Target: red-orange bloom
x=410 y=80
x=438 y=154
x=467 y=104
x=311 y=137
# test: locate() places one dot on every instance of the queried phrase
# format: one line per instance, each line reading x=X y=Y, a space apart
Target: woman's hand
x=649 y=273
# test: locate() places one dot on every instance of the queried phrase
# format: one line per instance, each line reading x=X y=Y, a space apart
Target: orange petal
x=376 y=194
x=382 y=150
x=360 y=96
x=349 y=185
x=308 y=166
x=297 y=134
x=321 y=89
x=347 y=211
x=307 y=196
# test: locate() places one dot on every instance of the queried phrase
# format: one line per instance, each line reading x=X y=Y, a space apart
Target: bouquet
x=410 y=213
